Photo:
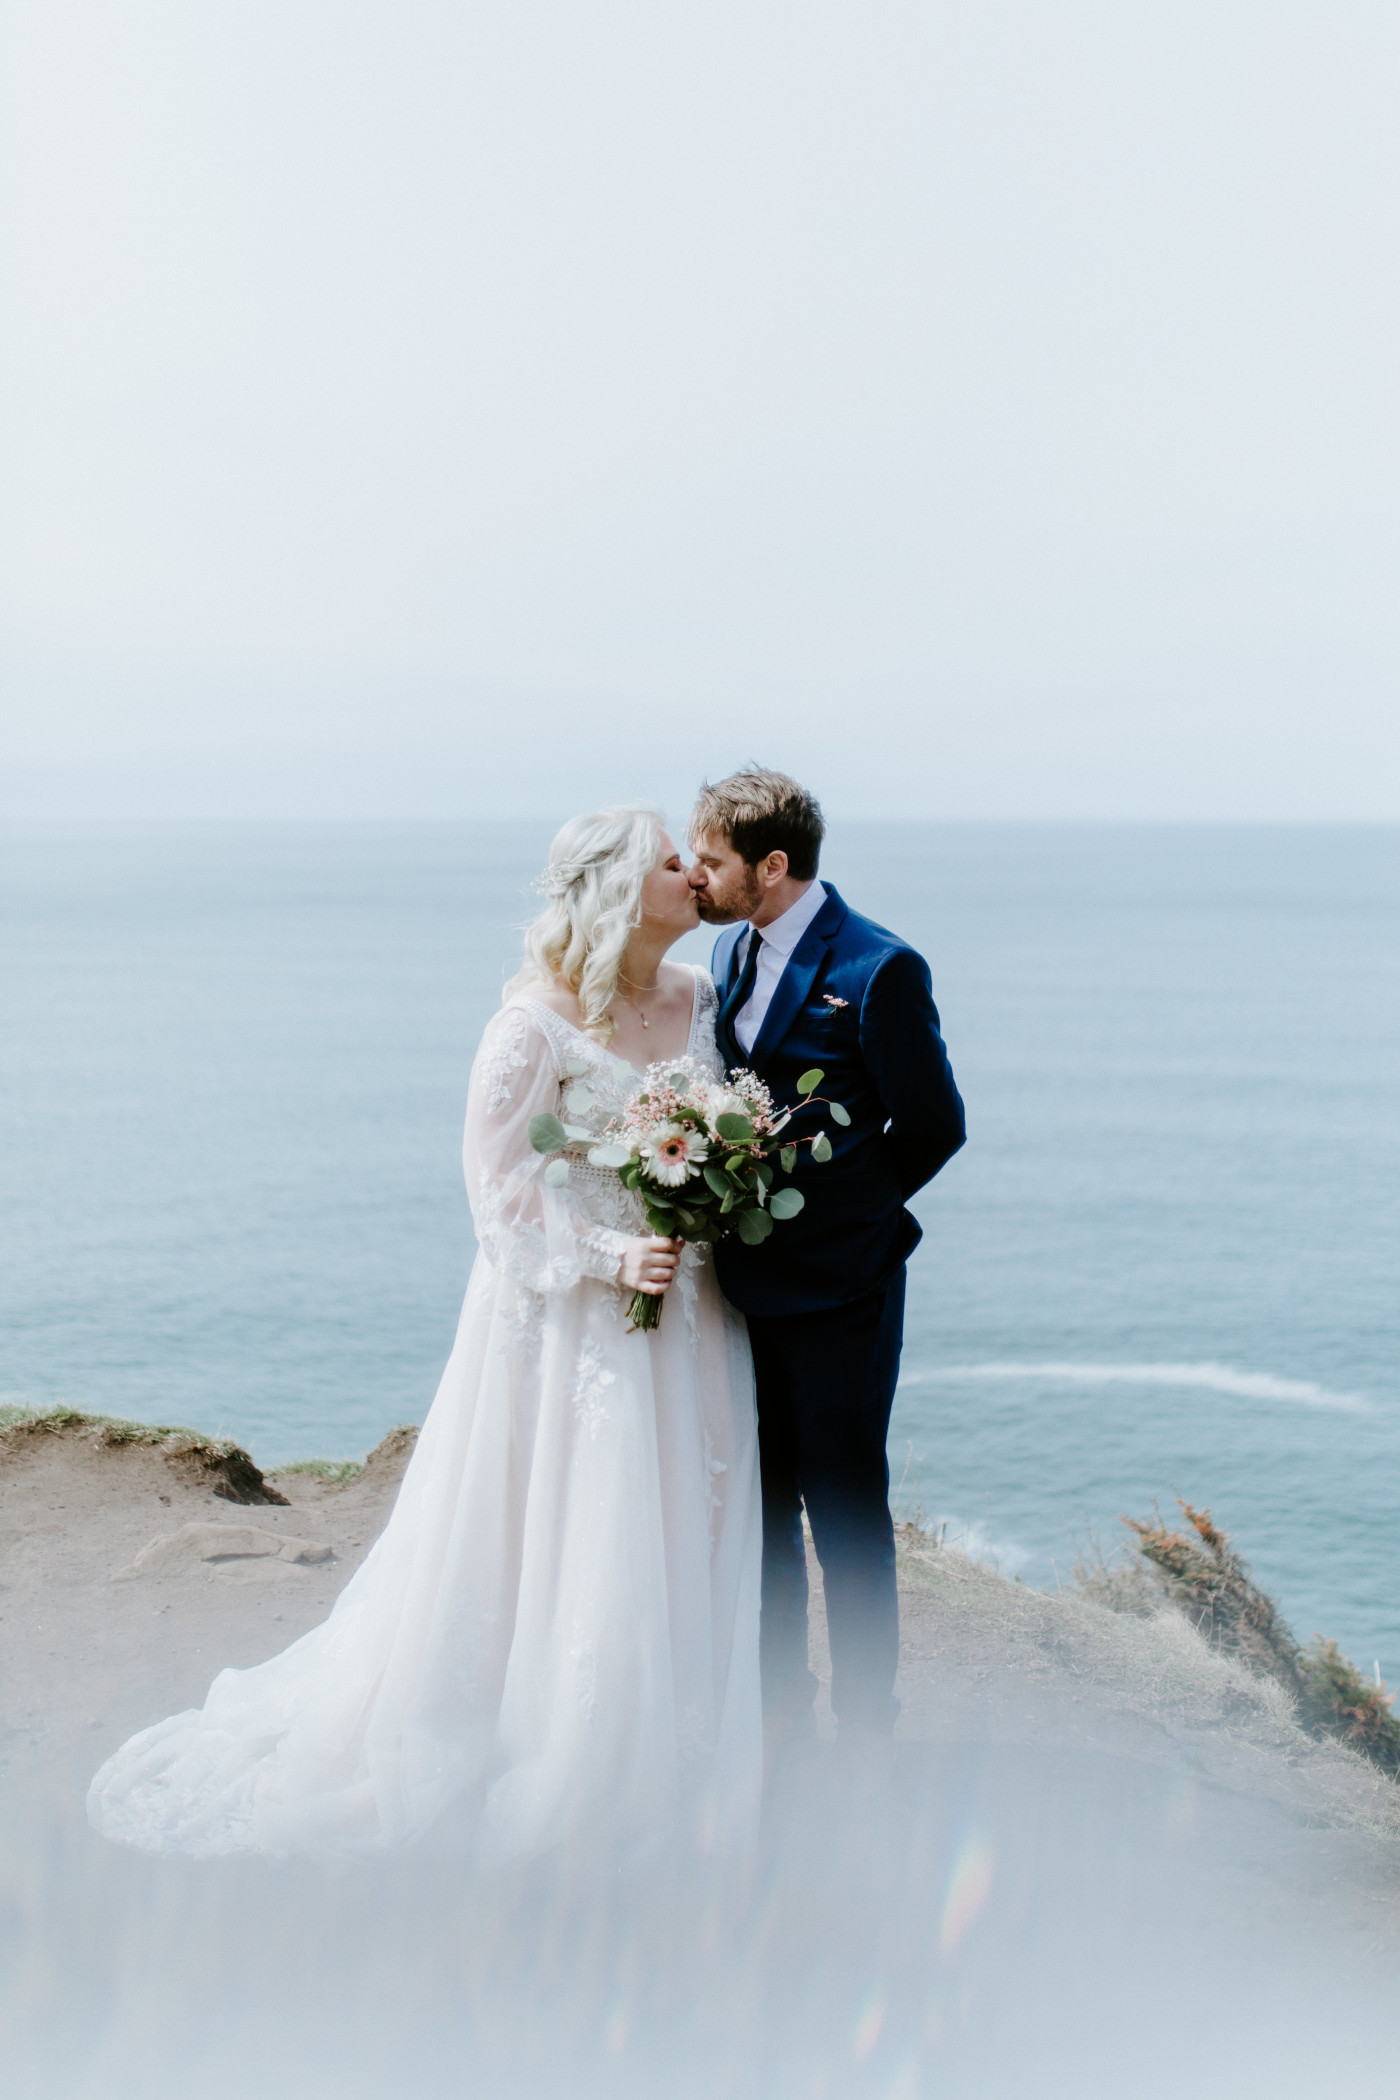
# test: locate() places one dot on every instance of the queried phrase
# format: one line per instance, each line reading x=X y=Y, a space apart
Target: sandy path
x=85 y=1659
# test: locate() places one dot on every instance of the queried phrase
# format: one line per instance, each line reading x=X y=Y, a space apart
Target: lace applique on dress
x=504 y=1057
x=589 y=1392
x=713 y=1468
x=702 y=1039
x=691 y=1259
x=523 y=1317
x=618 y=1208
x=508 y=1240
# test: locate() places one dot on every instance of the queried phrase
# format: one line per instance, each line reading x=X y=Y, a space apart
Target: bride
x=556 y=1635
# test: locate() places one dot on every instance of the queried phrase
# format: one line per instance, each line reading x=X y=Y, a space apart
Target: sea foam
x=1208 y=1377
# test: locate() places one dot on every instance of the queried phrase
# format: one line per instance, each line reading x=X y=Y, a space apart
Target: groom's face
x=725 y=885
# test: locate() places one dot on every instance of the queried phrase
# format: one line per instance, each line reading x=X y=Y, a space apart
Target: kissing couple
x=590 y=1599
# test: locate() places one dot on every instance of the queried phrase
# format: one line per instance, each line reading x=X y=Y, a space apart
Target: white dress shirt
x=779 y=940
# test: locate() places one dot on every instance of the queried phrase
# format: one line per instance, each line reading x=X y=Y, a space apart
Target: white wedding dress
x=556 y=1636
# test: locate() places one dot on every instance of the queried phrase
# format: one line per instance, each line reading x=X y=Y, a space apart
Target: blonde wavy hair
x=593 y=887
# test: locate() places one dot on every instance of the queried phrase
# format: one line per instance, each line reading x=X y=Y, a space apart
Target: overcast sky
x=982 y=409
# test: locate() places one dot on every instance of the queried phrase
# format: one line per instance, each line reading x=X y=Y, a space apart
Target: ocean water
x=234 y=1061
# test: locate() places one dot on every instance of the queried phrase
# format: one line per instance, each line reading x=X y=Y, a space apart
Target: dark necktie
x=736 y=999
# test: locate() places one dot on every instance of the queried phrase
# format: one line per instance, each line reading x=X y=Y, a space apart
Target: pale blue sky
x=983 y=409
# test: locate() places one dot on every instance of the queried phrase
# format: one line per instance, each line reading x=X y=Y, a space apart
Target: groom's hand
x=650 y=1265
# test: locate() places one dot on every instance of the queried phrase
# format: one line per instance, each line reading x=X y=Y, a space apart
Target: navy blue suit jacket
x=884 y=1061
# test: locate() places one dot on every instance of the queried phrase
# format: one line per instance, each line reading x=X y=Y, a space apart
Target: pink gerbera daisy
x=674 y=1153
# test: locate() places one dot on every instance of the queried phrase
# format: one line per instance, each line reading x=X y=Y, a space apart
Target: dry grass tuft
x=1207 y=1581
x=1122 y=1585
x=1198 y=1572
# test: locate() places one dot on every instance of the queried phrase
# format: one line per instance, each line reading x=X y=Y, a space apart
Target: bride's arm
x=542 y=1237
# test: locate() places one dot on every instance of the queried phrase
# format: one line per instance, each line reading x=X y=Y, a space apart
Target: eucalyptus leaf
x=679 y=1082
x=731 y=1197
x=737 y=1129
x=556 y=1173
x=609 y=1156
x=765 y=1175
x=786 y=1203
x=821 y=1148
x=763 y=1222
x=787 y=1158
x=577 y=1068
x=716 y=1177
x=839 y=1115
x=579 y=1100
x=810 y=1081
x=547 y=1134
x=688 y=1219
x=749 y=1225
x=578 y=1134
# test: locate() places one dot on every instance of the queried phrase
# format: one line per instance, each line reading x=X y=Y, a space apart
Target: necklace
x=646 y=991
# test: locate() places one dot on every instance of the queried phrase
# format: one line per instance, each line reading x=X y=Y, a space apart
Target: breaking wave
x=1213 y=1378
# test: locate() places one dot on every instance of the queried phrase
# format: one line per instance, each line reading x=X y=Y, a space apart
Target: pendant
x=645 y=1022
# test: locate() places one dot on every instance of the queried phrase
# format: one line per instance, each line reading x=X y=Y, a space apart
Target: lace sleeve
x=702 y=1036
x=539 y=1236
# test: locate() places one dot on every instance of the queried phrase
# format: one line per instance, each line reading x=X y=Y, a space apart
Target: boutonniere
x=832 y=1003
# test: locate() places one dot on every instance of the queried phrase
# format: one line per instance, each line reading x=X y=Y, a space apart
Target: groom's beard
x=738 y=903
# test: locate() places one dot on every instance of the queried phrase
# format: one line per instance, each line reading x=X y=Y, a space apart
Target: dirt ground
x=1034 y=1716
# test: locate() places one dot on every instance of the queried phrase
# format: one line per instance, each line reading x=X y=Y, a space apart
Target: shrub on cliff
x=1337 y=1700
x=1199 y=1572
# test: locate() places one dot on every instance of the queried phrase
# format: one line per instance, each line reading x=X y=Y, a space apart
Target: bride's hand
x=650 y=1265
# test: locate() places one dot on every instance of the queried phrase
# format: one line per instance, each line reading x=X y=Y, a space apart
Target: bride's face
x=668 y=901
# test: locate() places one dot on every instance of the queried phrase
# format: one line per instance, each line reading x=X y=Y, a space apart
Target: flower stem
x=644 y=1312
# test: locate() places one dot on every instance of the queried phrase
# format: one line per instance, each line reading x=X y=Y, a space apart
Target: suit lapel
x=722 y=960
x=796 y=981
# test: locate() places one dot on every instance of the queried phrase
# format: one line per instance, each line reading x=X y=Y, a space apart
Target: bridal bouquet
x=702 y=1153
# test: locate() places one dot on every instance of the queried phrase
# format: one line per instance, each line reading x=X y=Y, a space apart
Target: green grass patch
x=59 y=1419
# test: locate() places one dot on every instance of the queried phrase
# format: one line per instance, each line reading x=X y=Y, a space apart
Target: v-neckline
x=637 y=1071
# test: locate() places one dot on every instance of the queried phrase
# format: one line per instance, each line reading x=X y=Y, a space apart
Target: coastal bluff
x=1142 y=1786
x=136 y=1563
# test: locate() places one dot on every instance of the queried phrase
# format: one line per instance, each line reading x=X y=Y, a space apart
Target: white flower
x=673 y=1154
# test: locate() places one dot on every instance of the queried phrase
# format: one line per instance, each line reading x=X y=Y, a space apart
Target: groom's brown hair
x=761 y=812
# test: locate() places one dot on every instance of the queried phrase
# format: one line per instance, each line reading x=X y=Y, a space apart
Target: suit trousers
x=825 y=1386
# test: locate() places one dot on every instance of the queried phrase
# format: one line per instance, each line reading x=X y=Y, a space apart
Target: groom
x=804 y=981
